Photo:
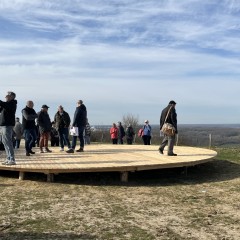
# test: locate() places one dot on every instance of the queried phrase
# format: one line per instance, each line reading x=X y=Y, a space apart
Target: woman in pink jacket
x=114 y=133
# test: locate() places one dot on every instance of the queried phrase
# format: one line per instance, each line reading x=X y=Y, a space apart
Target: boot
x=47 y=150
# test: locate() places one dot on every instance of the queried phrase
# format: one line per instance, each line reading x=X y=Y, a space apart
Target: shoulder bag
x=167 y=128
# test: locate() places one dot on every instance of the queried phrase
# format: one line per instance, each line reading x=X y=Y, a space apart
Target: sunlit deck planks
x=107 y=157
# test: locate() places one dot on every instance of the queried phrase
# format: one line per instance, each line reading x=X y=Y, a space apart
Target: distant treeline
x=199 y=135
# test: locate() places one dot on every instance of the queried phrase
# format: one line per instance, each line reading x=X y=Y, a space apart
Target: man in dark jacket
x=45 y=126
x=79 y=121
x=172 y=118
x=130 y=134
x=62 y=123
x=7 y=122
x=121 y=133
x=28 y=122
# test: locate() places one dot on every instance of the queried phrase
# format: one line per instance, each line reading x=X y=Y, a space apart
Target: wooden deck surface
x=107 y=157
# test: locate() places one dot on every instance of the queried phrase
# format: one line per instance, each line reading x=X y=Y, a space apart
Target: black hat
x=45 y=106
x=172 y=102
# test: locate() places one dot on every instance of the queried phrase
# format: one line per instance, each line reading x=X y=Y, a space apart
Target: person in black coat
x=45 y=126
x=79 y=121
x=172 y=118
x=121 y=133
x=129 y=134
x=7 y=122
x=54 y=136
x=29 y=127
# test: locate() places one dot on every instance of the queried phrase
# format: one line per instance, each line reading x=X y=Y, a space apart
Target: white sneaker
x=10 y=163
x=62 y=149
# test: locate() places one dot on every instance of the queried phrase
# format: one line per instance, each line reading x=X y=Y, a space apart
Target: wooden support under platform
x=50 y=177
x=21 y=175
x=124 y=176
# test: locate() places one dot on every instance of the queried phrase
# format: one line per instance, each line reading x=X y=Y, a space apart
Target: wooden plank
x=107 y=157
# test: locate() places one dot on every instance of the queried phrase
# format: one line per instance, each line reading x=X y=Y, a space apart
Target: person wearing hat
x=7 y=122
x=45 y=126
x=172 y=119
x=147 y=132
x=29 y=127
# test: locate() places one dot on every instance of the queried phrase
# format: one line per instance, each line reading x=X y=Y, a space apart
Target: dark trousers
x=120 y=141
x=168 y=140
x=80 y=136
x=129 y=140
x=146 y=140
x=54 y=141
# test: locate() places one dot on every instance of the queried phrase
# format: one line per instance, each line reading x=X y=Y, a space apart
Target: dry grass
x=163 y=204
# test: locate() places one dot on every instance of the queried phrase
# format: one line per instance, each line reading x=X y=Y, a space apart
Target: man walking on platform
x=172 y=119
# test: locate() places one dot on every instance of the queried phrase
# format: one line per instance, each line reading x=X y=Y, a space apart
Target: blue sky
x=124 y=57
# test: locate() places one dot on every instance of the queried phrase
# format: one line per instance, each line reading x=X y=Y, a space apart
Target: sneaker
x=41 y=151
x=62 y=149
x=80 y=150
x=9 y=163
x=70 y=151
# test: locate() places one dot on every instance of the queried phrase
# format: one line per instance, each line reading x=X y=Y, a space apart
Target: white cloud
x=121 y=57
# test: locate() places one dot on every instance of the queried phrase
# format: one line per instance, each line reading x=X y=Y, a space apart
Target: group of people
x=168 y=115
x=117 y=133
x=32 y=122
x=62 y=123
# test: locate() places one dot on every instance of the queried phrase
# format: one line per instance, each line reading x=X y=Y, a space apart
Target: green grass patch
x=230 y=154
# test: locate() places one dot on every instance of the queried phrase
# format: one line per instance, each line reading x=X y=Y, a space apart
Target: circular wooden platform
x=107 y=157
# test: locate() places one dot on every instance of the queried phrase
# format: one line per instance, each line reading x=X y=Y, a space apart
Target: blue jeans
x=30 y=138
x=16 y=143
x=7 y=133
x=63 y=137
x=80 y=136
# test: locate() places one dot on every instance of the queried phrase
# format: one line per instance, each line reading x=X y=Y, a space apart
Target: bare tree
x=129 y=118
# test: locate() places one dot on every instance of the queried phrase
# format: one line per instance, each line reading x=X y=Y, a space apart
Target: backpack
x=140 y=132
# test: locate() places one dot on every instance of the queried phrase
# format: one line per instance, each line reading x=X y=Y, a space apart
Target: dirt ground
x=200 y=203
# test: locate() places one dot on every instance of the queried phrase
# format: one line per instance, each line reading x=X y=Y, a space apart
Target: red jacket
x=114 y=132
